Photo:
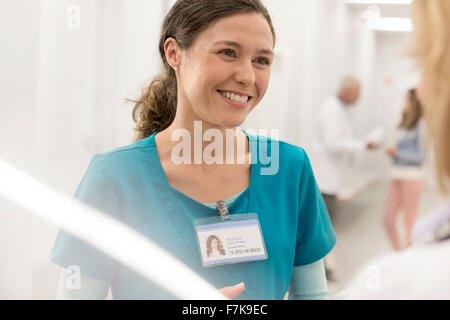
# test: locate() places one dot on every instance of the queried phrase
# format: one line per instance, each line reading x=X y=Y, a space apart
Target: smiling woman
x=208 y=51
x=217 y=57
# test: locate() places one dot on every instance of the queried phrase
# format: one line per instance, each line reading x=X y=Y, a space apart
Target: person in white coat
x=334 y=145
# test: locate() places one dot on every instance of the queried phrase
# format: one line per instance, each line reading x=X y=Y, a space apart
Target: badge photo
x=236 y=240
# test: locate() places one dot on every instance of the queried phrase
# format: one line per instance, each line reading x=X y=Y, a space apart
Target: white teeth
x=234 y=97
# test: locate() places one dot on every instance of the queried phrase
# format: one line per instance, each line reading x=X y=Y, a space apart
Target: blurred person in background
x=423 y=270
x=407 y=174
x=334 y=146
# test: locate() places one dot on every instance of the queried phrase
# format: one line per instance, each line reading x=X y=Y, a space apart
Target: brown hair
x=431 y=21
x=209 y=247
x=412 y=116
x=155 y=109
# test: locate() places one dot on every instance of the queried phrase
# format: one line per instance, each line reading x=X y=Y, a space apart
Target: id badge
x=236 y=240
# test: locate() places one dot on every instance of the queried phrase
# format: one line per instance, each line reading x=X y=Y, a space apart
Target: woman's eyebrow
x=239 y=46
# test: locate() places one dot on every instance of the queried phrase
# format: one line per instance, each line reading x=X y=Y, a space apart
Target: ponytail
x=155 y=110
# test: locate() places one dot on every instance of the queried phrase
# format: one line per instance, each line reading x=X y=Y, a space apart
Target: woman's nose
x=245 y=74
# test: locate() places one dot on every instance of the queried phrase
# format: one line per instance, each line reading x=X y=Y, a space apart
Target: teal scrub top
x=129 y=184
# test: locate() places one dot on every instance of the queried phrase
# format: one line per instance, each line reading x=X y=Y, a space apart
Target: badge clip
x=223 y=211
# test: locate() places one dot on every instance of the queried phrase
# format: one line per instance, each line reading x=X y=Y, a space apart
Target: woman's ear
x=172 y=52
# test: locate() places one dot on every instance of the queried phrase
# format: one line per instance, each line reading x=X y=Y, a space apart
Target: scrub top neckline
x=247 y=191
x=238 y=199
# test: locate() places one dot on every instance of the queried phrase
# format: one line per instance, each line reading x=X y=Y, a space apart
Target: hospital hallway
x=337 y=79
x=360 y=230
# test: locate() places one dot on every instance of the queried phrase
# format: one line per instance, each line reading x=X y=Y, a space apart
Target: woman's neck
x=203 y=144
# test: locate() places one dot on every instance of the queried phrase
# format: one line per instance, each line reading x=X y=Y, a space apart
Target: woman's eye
x=232 y=54
x=227 y=51
x=263 y=61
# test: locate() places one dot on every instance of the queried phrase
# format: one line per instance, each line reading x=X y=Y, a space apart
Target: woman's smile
x=237 y=101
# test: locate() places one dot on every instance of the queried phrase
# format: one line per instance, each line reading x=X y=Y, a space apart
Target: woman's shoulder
x=292 y=152
x=290 y=158
x=128 y=154
x=288 y=150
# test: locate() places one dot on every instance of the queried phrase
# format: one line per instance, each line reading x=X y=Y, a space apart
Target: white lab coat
x=334 y=145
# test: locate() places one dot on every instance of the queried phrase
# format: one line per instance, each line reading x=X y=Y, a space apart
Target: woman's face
x=214 y=244
x=233 y=55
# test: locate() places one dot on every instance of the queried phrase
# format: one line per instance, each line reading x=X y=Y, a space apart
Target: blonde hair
x=431 y=45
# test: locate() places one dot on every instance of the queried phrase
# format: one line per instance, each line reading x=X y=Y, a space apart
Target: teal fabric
x=309 y=282
x=129 y=184
x=89 y=289
x=228 y=201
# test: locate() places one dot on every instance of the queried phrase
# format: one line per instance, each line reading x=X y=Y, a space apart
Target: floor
x=360 y=230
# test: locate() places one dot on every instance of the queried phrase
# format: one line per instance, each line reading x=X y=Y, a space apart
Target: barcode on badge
x=232 y=252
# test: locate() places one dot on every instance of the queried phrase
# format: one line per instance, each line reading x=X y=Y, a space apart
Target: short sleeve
x=97 y=189
x=315 y=233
